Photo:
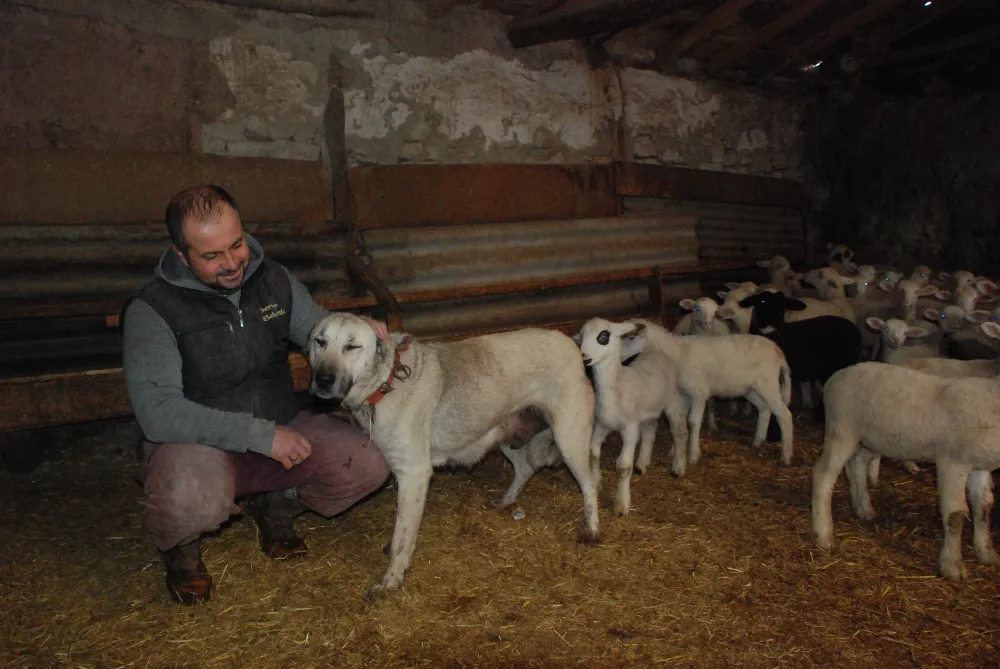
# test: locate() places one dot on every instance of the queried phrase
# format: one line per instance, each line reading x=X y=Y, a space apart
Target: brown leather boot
x=188 y=582
x=275 y=515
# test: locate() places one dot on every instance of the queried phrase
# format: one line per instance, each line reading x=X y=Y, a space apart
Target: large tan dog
x=431 y=404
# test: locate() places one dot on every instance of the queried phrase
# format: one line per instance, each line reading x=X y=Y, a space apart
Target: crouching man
x=205 y=357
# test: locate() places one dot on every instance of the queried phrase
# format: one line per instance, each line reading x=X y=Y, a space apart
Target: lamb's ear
x=577 y=338
x=979 y=316
x=722 y=294
x=638 y=330
x=943 y=295
x=726 y=312
x=944 y=275
x=687 y=303
x=990 y=329
x=732 y=285
x=750 y=301
x=848 y=280
x=933 y=315
x=917 y=333
x=875 y=323
x=887 y=286
x=795 y=305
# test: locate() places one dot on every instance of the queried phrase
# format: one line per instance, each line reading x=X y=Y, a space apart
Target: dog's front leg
x=413 y=479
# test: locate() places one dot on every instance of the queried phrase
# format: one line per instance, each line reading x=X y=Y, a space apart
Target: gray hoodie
x=153 y=375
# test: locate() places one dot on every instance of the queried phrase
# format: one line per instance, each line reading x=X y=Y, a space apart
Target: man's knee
x=188 y=491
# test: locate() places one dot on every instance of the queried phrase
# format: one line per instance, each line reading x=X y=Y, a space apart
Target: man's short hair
x=198 y=203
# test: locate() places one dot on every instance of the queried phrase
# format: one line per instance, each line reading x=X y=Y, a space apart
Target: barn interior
x=459 y=167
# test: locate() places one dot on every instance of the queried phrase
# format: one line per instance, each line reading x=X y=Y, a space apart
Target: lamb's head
x=841 y=257
x=342 y=350
x=703 y=310
x=601 y=340
x=864 y=280
x=922 y=274
x=737 y=291
x=896 y=332
x=769 y=309
x=959 y=279
x=827 y=281
x=909 y=291
x=953 y=318
x=889 y=280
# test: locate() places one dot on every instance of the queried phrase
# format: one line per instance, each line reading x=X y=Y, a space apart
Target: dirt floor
x=715 y=570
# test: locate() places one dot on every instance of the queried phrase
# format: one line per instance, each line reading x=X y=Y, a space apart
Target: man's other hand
x=381 y=331
x=289 y=447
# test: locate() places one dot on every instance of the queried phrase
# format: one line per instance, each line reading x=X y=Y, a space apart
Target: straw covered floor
x=714 y=570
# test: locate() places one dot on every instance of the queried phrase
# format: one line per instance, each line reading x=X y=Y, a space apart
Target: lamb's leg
x=807 y=400
x=694 y=427
x=676 y=410
x=951 y=487
x=857 y=470
x=647 y=432
x=771 y=402
x=873 y=467
x=710 y=414
x=980 y=488
x=540 y=452
x=838 y=447
x=911 y=466
x=597 y=438
x=624 y=466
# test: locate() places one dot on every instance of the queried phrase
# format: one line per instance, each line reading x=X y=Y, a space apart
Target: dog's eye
x=603 y=338
x=320 y=343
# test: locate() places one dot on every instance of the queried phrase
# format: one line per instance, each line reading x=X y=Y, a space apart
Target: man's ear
x=181 y=255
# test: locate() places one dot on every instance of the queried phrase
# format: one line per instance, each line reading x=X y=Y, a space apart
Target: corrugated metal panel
x=464 y=255
x=733 y=232
x=68 y=270
x=612 y=301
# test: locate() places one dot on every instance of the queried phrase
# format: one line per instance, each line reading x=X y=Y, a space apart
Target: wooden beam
x=343 y=8
x=722 y=17
x=400 y=196
x=943 y=46
x=841 y=29
x=680 y=183
x=580 y=19
x=776 y=27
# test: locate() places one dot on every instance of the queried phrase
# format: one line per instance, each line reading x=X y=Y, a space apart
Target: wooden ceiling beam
x=344 y=8
x=842 y=29
x=779 y=25
x=991 y=34
x=580 y=19
x=723 y=16
x=882 y=40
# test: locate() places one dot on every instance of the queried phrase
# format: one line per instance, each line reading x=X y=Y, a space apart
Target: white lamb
x=831 y=299
x=909 y=415
x=702 y=321
x=630 y=399
x=901 y=341
x=958 y=369
x=745 y=366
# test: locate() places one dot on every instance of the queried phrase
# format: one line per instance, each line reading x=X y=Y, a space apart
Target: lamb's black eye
x=351 y=347
x=603 y=338
x=320 y=343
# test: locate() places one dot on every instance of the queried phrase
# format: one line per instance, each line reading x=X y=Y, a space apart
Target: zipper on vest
x=240 y=313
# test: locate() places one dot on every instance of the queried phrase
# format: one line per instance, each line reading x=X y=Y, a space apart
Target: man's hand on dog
x=381 y=331
x=289 y=447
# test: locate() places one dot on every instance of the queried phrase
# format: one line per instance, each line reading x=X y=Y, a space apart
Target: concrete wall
x=204 y=77
x=911 y=180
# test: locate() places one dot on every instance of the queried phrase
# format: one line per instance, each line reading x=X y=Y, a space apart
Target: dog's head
x=342 y=350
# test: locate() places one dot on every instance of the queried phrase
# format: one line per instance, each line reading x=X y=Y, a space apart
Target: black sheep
x=815 y=348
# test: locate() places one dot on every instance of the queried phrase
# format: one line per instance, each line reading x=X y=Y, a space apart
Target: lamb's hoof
x=678 y=473
x=911 y=467
x=824 y=542
x=619 y=509
x=989 y=557
x=589 y=536
x=953 y=571
x=786 y=460
x=867 y=515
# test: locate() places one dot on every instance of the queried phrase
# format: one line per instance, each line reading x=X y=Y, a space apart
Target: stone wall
x=198 y=76
x=911 y=180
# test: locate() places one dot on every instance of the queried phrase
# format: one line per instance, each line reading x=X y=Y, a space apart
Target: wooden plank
x=81 y=397
x=398 y=196
x=580 y=19
x=779 y=25
x=722 y=17
x=70 y=186
x=324 y=8
x=679 y=183
x=841 y=29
